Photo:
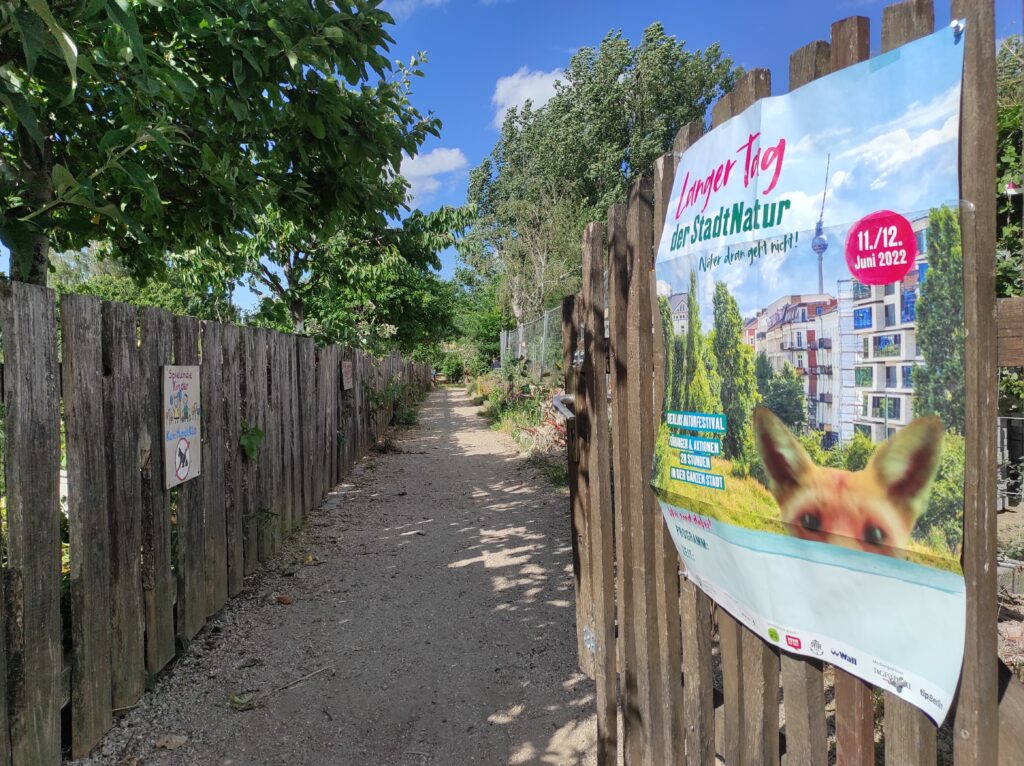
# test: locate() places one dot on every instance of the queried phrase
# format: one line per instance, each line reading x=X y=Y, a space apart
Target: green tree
x=554 y=168
x=786 y=398
x=736 y=372
x=939 y=382
x=162 y=127
x=177 y=289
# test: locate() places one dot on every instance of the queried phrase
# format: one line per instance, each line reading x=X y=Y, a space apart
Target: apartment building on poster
x=834 y=408
x=885 y=326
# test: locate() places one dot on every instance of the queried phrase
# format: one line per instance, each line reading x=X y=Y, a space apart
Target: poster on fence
x=809 y=459
x=182 y=427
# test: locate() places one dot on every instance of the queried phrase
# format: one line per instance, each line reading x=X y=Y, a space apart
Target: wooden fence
x=648 y=637
x=148 y=566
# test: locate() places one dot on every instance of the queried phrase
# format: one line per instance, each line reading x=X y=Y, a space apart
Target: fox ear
x=783 y=456
x=906 y=463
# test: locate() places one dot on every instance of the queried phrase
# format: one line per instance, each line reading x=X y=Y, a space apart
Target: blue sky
x=889 y=127
x=485 y=55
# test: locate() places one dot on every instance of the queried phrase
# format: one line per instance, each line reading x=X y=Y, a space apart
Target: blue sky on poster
x=890 y=127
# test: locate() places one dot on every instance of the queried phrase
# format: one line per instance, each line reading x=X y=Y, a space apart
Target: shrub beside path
x=424 y=615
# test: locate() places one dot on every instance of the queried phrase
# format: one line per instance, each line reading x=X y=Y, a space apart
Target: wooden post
x=212 y=477
x=666 y=565
x=32 y=463
x=695 y=615
x=595 y=456
x=975 y=735
x=618 y=313
x=909 y=734
x=191 y=564
x=855 y=744
x=157 y=573
x=640 y=504
x=581 y=511
x=233 y=458
x=88 y=522
x=124 y=475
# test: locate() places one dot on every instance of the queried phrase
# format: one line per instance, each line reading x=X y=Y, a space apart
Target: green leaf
x=33 y=36
x=334 y=33
x=115 y=138
x=141 y=180
x=23 y=112
x=124 y=18
x=62 y=179
x=250 y=440
x=67 y=45
x=316 y=126
x=19 y=237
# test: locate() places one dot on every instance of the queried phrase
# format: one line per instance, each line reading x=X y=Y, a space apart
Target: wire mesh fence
x=537 y=345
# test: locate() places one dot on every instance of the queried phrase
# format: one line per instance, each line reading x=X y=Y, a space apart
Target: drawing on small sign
x=182 y=411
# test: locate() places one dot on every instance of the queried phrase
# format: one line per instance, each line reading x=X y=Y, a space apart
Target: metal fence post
x=544 y=344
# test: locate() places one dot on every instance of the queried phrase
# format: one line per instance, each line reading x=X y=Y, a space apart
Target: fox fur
x=872 y=510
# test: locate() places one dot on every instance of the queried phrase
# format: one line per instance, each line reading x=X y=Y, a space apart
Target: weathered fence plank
x=190 y=566
x=307 y=400
x=855 y=721
x=851 y=44
x=122 y=420
x=213 y=476
x=32 y=465
x=619 y=310
x=1010 y=340
x=909 y=734
x=804 y=701
x=252 y=418
x=977 y=741
x=580 y=502
x=695 y=614
x=88 y=521
x=231 y=383
x=760 y=731
x=666 y=563
x=265 y=519
x=596 y=458
x=640 y=504
x=158 y=587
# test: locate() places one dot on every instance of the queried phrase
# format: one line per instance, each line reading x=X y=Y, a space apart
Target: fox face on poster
x=809 y=458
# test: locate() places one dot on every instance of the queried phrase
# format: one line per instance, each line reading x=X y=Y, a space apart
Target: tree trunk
x=35 y=249
x=297 y=309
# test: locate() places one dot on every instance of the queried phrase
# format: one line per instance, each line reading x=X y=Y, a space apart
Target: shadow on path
x=437 y=591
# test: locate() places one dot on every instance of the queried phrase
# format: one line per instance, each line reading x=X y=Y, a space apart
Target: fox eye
x=810 y=521
x=874 y=535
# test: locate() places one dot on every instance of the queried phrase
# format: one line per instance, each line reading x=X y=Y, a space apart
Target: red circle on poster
x=881 y=248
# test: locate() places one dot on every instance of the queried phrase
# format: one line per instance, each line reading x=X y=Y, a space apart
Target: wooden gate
x=649 y=638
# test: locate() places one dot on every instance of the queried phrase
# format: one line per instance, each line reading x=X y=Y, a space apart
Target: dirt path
x=443 y=610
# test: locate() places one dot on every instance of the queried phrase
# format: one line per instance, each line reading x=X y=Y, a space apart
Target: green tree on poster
x=693 y=338
x=939 y=383
x=677 y=384
x=669 y=335
x=763 y=373
x=738 y=385
x=786 y=398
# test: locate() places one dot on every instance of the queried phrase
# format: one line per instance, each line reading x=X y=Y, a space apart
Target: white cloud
x=403 y=9
x=525 y=85
x=890 y=151
x=422 y=171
